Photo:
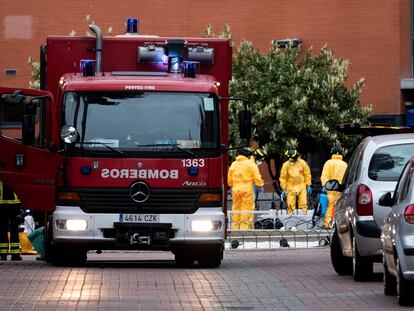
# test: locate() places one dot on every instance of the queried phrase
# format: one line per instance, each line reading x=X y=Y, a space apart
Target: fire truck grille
x=167 y=201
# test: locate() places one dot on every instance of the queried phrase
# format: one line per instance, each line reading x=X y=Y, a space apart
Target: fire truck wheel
x=49 y=249
x=69 y=257
x=211 y=257
x=183 y=259
x=59 y=256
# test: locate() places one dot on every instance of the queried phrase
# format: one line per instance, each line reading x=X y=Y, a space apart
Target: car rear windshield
x=387 y=162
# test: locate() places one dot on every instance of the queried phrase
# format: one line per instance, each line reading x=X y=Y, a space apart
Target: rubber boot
x=3 y=257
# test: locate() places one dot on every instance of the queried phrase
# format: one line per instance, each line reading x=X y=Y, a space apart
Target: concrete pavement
x=280 y=279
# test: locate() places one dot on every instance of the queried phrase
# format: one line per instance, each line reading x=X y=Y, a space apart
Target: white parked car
x=373 y=170
x=397 y=237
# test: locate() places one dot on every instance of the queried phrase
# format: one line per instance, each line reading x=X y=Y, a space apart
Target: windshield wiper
x=175 y=146
x=103 y=144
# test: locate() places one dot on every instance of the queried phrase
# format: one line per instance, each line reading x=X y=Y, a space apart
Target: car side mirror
x=386 y=200
x=334 y=185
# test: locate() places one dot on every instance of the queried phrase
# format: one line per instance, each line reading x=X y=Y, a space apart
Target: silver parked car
x=373 y=170
x=397 y=237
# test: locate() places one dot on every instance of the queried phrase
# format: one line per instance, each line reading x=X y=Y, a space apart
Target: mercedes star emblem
x=139 y=191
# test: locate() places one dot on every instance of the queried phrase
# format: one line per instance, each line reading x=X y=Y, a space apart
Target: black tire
x=61 y=256
x=49 y=249
x=362 y=267
x=341 y=264
x=69 y=257
x=390 y=282
x=183 y=259
x=405 y=288
x=211 y=257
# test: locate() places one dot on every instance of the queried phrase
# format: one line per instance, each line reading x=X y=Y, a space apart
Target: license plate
x=145 y=218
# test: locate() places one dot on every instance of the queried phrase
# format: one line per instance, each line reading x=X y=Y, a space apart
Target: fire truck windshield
x=143 y=121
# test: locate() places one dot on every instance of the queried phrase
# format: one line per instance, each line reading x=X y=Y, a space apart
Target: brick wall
x=372 y=34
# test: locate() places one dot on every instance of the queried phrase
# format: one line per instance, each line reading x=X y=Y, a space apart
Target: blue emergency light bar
x=190 y=69
x=87 y=67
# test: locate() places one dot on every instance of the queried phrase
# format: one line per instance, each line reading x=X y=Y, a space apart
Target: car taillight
x=364 y=201
x=409 y=214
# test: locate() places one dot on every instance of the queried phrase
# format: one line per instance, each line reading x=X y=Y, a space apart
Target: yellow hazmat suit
x=332 y=169
x=294 y=179
x=243 y=173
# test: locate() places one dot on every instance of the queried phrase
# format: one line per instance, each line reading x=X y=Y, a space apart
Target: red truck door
x=28 y=161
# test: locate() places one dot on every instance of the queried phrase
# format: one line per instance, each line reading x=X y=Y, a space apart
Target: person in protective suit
x=257 y=157
x=243 y=173
x=295 y=181
x=334 y=168
x=9 y=222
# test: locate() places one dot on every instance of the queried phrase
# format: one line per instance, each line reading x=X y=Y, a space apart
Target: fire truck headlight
x=69 y=134
x=205 y=225
x=72 y=224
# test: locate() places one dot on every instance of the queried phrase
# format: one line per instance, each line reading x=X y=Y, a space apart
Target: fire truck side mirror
x=68 y=134
x=245 y=124
x=16 y=98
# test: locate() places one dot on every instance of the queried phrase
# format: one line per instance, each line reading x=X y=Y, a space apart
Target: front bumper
x=99 y=226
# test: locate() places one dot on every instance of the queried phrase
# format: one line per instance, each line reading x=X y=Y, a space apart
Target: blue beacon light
x=132 y=25
x=87 y=67
x=190 y=69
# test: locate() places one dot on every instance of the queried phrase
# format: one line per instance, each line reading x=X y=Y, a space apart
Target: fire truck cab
x=125 y=146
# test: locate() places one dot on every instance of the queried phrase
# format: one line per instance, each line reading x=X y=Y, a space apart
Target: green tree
x=34 y=82
x=297 y=99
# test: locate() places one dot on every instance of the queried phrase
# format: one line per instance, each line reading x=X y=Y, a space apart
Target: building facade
x=375 y=35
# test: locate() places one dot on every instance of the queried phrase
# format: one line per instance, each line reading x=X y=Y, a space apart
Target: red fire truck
x=125 y=146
